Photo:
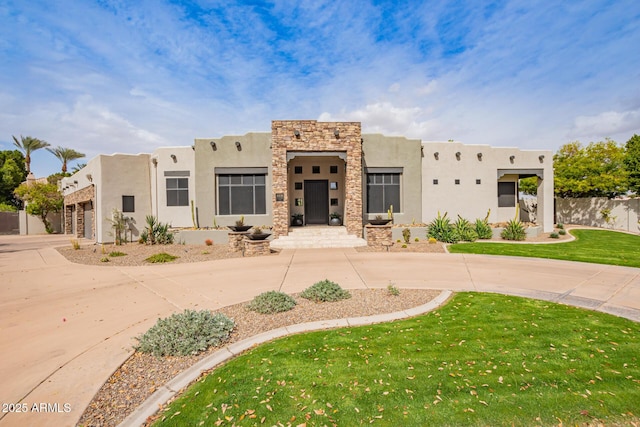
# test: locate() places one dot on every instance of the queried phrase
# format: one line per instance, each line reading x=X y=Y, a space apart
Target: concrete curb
x=150 y=406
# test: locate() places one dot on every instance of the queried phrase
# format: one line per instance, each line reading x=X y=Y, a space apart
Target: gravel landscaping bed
x=142 y=374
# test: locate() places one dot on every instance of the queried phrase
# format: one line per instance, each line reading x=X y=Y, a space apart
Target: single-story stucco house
x=306 y=167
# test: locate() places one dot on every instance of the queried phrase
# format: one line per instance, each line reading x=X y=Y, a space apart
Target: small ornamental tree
x=632 y=163
x=41 y=199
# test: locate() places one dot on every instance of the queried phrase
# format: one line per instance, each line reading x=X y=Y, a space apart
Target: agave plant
x=441 y=229
x=465 y=230
x=514 y=231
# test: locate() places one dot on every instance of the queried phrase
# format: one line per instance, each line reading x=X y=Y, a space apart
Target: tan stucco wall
x=471 y=200
x=255 y=152
x=161 y=162
x=396 y=151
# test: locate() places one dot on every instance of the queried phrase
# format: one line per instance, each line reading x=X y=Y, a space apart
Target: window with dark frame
x=315 y=169
x=478 y=182
x=241 y=194
x=334 y=202
x=506 y=194
x=297 y=170
x=383 y=191
x=177 y=191
x=457 y=182
x=128 y=204
x=333 y=169
x=435 y=182
x=298 y=186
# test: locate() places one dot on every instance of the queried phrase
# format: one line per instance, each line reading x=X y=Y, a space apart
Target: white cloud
x=608 y=123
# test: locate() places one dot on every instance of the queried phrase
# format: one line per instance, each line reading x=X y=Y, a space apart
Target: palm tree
x=77 y=167
x=28 y=145
x=65 y=155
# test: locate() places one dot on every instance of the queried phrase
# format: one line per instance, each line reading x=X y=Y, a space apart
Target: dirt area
x=142 y=374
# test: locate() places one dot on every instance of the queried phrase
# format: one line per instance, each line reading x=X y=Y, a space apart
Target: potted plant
x=336 y=218
x=239 y=227
x=258 y=234
x=379 y=220
x=297 y=219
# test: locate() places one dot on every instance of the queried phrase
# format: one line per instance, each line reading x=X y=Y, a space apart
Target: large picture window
x=177 y=191
x=241 y=194
x=383 y=191
x=506 y=194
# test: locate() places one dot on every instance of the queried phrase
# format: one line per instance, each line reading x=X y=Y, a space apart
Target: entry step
x=317 y=237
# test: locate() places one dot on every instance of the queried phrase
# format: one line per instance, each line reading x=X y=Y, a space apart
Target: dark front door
x=316 y=202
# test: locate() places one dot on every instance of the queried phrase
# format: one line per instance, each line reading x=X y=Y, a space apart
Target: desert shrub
x=161 y=257
x=560 y=225
x=562 y=232
x=104 y=259
x=465 y=230
x=416 y=239
x=325 y=291
x=432 y=240
x=208 y=242
x=404 y=246
x=272 y=302
x=189 y=332
x=406 y=235
x=483 y=229
x=398 y=241
x=514 y=231
x=75 y=244
x=116 y=253
x=155 y=232
x=441 y=229
x=554 y=235
x=393 y=290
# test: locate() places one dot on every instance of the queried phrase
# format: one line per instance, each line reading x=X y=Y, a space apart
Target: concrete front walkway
x=67 y=327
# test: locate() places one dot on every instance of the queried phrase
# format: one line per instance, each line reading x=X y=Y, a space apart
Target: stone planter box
x=256 y=247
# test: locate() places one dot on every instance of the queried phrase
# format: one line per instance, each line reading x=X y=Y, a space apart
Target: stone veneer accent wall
x=79 y=198
x=316 y=136
x=379 y=236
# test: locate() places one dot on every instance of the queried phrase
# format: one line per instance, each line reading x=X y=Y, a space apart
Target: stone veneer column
x=316 y=137
x=68 y=218
x=236 y=239
x=79 y=220
x=256 y=247
x=84 y=195
x=379 y=236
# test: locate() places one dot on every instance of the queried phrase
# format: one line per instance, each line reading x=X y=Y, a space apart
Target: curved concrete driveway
x=67 y=327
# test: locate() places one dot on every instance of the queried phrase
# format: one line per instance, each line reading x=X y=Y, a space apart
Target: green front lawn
x=482 y=359
x=596 y=246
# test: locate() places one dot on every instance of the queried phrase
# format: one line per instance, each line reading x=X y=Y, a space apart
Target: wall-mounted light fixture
x=541 y=158
x=296 y=133
x=174 y=158
x=75 y=181
x=214 y=147
x=89 y=177
x=154 y=161
x=336 y=133
x=193 y=147
x=436 y=155
x=238 y=146
x=512 y=158
x=480 y=156
x=422 y=151
x=458 y=155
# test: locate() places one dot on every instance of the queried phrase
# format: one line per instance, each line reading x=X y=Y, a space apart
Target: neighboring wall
x=164 y=166
x=254 y=152
x=30 y=224
x=588 y=211
x=381 y=151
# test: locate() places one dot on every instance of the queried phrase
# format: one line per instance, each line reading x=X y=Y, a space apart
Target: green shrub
x=554 y=235
x=116 y=253
x=441 y=229
x=155 y=232
x=393 y=290
x=416 y=239
x=514 y=231
x=406 y=235
x=325 y=291
x=272 y=302
x=562 y=232
x=185 y=333
x=161 y=257
x=465 y=230
x=104 y=259
x=560 y=226
x=483 y=229
x=404 y=246
x=432 y=240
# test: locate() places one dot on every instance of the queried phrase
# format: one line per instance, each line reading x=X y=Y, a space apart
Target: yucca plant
x=465 y=230
x=441 y=229
x=483 y=229
x=514 y=231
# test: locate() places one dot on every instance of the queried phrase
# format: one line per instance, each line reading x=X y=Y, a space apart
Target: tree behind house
x=41 y=199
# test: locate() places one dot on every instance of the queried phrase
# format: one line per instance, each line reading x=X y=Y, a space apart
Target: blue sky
x=117 y=76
